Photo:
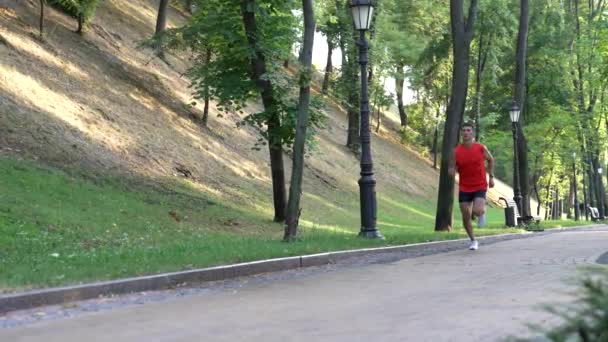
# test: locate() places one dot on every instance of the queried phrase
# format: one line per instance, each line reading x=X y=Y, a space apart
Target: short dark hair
x=468 y=124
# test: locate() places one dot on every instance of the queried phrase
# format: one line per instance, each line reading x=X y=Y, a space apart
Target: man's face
x=467 y=133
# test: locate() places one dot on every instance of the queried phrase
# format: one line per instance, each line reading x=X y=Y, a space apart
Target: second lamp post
x=514 y=114
x=362 y=15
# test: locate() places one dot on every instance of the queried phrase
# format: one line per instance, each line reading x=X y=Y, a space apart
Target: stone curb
x=61 y=295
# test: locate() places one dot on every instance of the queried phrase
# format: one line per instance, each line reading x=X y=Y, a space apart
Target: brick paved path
x=455 y=296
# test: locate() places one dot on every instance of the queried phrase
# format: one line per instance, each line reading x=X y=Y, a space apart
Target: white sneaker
x=474 y=245
x=481 y=221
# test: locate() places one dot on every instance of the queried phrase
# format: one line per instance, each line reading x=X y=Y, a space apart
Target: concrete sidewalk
x=484 y=295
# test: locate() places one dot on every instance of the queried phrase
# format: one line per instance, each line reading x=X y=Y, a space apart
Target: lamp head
x=363 y=11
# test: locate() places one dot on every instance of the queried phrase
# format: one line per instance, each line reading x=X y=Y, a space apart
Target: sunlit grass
x=57 y=228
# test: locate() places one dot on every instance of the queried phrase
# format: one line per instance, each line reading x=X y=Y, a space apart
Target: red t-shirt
x=470 y=162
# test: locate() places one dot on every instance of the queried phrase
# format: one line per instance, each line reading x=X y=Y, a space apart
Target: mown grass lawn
x=58 y=229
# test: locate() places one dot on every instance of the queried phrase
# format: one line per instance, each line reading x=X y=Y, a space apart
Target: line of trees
x=465 y=61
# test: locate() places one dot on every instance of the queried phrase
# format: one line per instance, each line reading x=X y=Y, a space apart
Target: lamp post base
x=371 y=234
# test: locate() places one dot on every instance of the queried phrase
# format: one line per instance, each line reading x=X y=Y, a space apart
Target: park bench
x=519 y=220
x=593 y=213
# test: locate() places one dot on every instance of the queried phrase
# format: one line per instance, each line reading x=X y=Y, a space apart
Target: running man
x=469 y=161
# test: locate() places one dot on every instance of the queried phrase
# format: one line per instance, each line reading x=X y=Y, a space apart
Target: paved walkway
x=485 y=295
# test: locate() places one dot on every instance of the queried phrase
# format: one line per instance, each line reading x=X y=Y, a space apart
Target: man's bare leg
x=465 y=209
x=479 y=206
x=479 y=210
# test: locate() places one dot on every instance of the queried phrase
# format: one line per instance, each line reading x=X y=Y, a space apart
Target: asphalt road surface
x=484 y=295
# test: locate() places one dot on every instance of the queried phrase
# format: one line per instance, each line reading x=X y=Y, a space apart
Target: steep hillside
x=142 y=187
x=102 y=103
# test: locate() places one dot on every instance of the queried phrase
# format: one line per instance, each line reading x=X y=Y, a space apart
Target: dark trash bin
x=510 y=220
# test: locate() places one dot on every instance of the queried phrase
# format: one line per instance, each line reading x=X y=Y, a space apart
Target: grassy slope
x=59 y=228
x=103 y=108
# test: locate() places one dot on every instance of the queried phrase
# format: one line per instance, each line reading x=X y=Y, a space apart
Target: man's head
x=467 y=132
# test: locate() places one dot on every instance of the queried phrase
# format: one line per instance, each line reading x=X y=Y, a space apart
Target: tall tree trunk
x=378 y=116
x=604 y=200
x=592 y=184
x=343 y=52
x=41 y=27
x=520 y=80
x=207 y=95
x=585 y=195
x=436 y=138
x=161 y=24
x=399 y=83
x=462 y=33
x=569 y=203
x=161 y=18
x=482 y=56
x=370 y=63
x=549 y=184
x=275 y=143
x=477 y=110
x=295 y=189
x=350 y=74
x=547 y=202
x=189 y=6
x=80 y=19
x=206 y=110
x=329 y=68
x=558 y=212
x=553 y=204
x=378 y=106
x=599 y=193
x=524 y=180
x=353 y=140
x=535 y=178
x=537 y=197
x=341 y=37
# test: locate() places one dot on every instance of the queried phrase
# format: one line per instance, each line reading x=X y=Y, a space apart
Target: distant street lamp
x=514 y=114
x=362 y=17
x=577 y=209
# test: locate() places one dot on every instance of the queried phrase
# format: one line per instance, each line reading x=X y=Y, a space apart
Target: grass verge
x=58 y=228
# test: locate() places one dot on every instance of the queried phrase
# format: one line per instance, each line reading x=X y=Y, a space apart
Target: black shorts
x=470 y=196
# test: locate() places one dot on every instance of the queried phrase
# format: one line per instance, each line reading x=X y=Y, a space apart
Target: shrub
x=587 y=318
x=83 y=10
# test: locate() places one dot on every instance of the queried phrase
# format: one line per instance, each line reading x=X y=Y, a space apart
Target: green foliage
x=404 y=28
x=217 y=26
x=346 y=87
x=421 y=126
x=58 y=229
x=77 y=8
x=288 y=106
x=587 y=318
x=410 y=136
x=500 y=144
x=328 y=21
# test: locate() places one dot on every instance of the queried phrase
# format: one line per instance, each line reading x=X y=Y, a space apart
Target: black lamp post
x=362 y=15
x=577 y=210
x=514 y=114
